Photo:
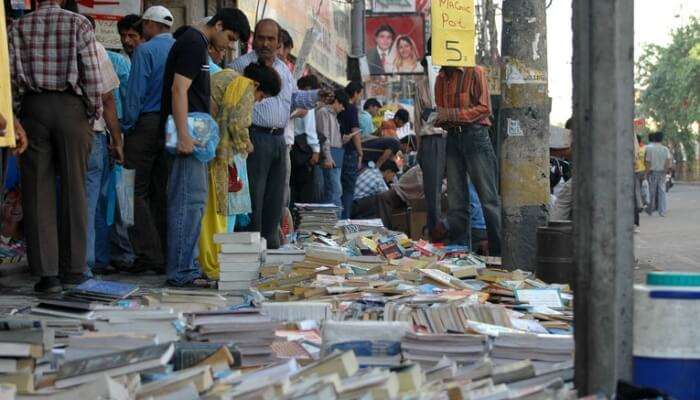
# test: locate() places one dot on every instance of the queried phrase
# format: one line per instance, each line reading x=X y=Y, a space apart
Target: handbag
x=235 y=184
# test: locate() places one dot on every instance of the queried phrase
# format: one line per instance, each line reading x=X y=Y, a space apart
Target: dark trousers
x=267 y=171
x=59 y=137
x=381 y=205
x=432 y=159
x=470 y=156
x=144 y=151
x=348 y=177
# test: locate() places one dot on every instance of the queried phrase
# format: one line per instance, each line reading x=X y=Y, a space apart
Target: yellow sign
x=5 y=90
x=453 y=35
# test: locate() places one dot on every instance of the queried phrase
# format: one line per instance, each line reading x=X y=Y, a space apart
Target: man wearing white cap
x=144 y=144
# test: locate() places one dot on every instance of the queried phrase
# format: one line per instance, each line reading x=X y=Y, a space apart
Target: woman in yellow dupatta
x=233 y=98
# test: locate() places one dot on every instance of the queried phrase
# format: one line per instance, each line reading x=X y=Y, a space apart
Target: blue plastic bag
x=203 y=129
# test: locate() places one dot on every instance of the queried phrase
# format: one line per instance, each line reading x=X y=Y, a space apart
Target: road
x=671 y=242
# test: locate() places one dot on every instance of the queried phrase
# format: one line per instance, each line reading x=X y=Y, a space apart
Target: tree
x=669 y=82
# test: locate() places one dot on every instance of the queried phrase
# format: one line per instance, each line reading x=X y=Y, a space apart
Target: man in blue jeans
x=352 y=139
x=186 y=89
x=464 y=107
x=333 y=153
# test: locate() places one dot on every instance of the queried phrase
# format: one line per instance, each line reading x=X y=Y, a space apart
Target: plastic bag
x=203 y=129
x=124 y=187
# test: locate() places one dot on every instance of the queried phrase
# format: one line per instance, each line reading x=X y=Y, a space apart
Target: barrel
x=555 y=249
x=666 y=334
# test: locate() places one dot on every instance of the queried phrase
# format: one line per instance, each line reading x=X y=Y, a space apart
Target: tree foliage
x=669 y=83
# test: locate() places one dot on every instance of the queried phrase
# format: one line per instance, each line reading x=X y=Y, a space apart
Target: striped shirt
x=274 y=112
x=53 y=49
x=473 y=105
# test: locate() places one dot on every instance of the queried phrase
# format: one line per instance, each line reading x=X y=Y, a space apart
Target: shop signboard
x=393 y=6
x=453 y=32
x=106 y=14
x=395 y=43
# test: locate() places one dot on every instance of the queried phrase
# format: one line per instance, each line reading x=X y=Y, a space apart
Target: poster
x=329 y=53
x=395 y=44
x=393 y=6
x=453 y=30
x=8 y=140
x=107 y=13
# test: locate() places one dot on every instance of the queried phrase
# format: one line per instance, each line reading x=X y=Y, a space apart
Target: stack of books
x=431 y=348
x=317 y=217
x=84 y=300
x=240 y=259
x=536 y=347
x=22 y=343
x=252 y=332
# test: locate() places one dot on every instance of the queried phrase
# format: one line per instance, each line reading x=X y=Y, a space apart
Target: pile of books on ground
x=23 y=344
x=83 y=301
x=429 y=349
x=240 y=259
x=317 y=217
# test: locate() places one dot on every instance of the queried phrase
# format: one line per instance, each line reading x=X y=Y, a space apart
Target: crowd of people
x=80 y=109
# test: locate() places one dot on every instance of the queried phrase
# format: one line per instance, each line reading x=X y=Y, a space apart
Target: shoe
x=48 y=284
x=106 y=270
x=439 y=233
x=141 y=268
x=73 y=279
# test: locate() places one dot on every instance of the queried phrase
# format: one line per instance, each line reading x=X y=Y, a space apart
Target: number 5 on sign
x=453 y=32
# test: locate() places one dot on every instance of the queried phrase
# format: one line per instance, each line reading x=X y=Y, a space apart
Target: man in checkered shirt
x=56 y=93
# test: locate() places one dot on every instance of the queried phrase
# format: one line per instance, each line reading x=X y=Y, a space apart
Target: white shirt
x=108 y=83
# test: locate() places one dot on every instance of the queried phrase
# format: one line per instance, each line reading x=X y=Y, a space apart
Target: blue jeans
x=97 y=177
x=470 y=156
x=333 y=189
x=187 y=197
x=348 y=179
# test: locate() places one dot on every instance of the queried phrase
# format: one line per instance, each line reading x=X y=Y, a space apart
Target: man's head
x=657 y=137
x=401 y=118
x=308 y=82
x=266 y=40
x=156 y=20
x=340 y=102
x=389 y=170
x=372 y=106
x=354 y=91
x=130 y=33
x=266 y=78
x=227 y=26
x=287 y=44
x=384 y=36
x=217 y=48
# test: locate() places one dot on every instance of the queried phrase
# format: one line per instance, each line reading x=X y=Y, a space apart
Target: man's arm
x=90 y=76
x=305 y=99
x=110 y=116
x=185 y=143
x=470 y=113
x=139 y=77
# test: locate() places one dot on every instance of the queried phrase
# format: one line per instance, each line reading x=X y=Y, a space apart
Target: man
x=98 y=165
x=333 y=152
x=57 y=106
x=283 y=53
x=658 y=164
x=352 y=159
x=372 y=181
x=390 y=127
x=285 y=49
x=369 y=110
x=409 y=188
x=380 y=58
x=144 y=142
x=463 y=107
x=130 y=33
x=306 y=152
x=267 y=164
x=186 y=89
x=640 y=169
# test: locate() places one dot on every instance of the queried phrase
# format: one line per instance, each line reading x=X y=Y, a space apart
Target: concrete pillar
x=524 y=130
x=603 y=192
x=357 y=29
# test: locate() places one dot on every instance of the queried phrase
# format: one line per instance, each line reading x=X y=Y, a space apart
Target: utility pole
x=524 y=130
x=357 y=28
x=603 y=192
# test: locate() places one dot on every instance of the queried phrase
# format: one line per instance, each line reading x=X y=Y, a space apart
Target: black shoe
x=141 y=268
x=108 y=270
x=73 y=279
x=48 y=284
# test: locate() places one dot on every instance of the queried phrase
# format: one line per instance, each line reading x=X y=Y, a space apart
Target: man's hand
x=249 y=148
x=315 y=158
x=117 y=152
x=21 y=139
x=185 y=145
x=359 y=162
x=328 y=164
x=3 y=125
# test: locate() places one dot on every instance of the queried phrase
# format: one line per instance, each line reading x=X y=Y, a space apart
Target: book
x=12 y=365
x=251 y=258
x=378 y=384
x=237 y=238
x=189 y=354
x=20 y=350
x=410 y=378
x=234 y=285
x=116 y=290
x=85 y=370
x=23 y=381
x=43 y=336
x=200 y=377
x=240 y=276
x=240 y=267
x=342 y=363
x=238 y=248
x=63 y=313
x=297 y=311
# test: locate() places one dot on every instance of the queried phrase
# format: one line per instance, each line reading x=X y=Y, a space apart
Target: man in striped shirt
x=56 y=92
x=464 y=108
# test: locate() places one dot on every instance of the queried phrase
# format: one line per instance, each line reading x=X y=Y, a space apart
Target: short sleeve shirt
x=188 y=57
x=108 y=83
x=657 y=155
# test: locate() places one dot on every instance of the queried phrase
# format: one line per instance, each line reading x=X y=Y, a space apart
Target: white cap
x=158 y=14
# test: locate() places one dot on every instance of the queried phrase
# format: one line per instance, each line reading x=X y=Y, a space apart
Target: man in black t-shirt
x=186 y=88
x=350 y=129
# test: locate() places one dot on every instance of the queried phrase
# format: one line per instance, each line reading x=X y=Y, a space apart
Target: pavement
x=671 y=242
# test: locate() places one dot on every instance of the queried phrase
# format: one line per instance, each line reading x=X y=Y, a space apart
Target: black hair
x=268 y=80
x=91 y=19
x=389 y=165
x=650 y=137
x=342 y=97
x=72 y=6
x=308 y=82
x=426 y=54
x=402 y=115
x=371 y=103
x=353 y=87
x=130 y=22
x=569 y=124
x=179 y=31
x=658 y=137
x=384 y=28
x=234 y=20
x=286 y=39
x=270 y=20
